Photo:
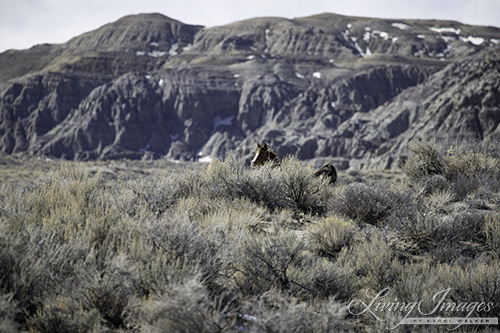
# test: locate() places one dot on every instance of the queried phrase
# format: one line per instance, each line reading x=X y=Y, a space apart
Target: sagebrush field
x=225 y=248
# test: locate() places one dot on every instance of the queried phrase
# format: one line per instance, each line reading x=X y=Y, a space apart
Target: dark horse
x=264 y=154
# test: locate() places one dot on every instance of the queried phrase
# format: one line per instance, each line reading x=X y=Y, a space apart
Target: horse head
x=264 y=154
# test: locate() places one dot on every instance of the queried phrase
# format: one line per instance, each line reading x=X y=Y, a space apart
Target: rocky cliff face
x=351 y=90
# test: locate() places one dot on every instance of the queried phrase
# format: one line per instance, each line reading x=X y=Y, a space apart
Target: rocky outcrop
x=354 y=91
x=30 y=109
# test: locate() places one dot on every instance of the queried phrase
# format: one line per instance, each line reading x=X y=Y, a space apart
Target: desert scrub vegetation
x=225 y=247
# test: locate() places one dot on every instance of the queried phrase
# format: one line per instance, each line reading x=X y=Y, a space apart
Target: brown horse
x=264 y=154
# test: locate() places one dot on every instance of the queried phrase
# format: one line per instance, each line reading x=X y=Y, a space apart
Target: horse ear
x=264 y=145
x=258 y=145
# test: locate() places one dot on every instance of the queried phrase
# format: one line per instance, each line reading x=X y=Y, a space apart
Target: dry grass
x=156 y=246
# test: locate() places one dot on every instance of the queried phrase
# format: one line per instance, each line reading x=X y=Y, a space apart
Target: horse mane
x=328 y=171
x=273 y=156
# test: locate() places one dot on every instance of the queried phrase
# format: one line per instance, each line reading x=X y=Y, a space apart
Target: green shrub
x=9 y=310
x=185 y=307
x=63 y=314
x=226 y=247
x=265 y=263
x=293 y=317
x=291 y=186
x=445 y=237
x=440 y=199
x=430 y=184
x=424 y=159
x=158 y=193
x=320 y=279
x=373 y=262
x=330 y=236
x=110 y=291
x=476 y=282
x=365 y=203
x=230 y=179
x=301 y=187
x=183 y=249
x=492 y=233
x=470 y=163
x=237 y=217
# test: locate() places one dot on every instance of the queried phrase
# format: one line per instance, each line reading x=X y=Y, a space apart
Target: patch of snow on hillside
x=317 y=75
x=349 y=26
x=266 y=32
x=441 y=30
x=421 y=36
x=375 y=33
x=366 y=36
x=332 y=104
x=368 y=51
x=382 y=34
x=356 y=45
x=187 y=47
x=449 y=39
x=173 y=50
x=154 y=44
x=494 y=41
x=218 y=121
x=140 y=53
x=205 y=159
x=300 y=76
x=161 y=82
x=401 y=26
x=251 y=57
x=474 y=40
x=157 y=54
x=394 y=39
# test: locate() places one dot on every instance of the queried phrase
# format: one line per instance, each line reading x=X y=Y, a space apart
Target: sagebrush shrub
x=330 y=236
x=223 y=247
x=301 y=187
x=469 y=163
x=64 y=314
x=185 y=249
x=185 y=307
x=9 y=310
x=365 y=203
x=265 y=263
x=492 y=233
x=475 y=283
x=293 y=317
x=230 y=179
x=430 y=184
x=321 y=278
x=424 y=159
x=373 y=262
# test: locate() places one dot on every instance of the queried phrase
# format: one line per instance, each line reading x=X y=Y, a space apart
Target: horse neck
x=272 y=156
